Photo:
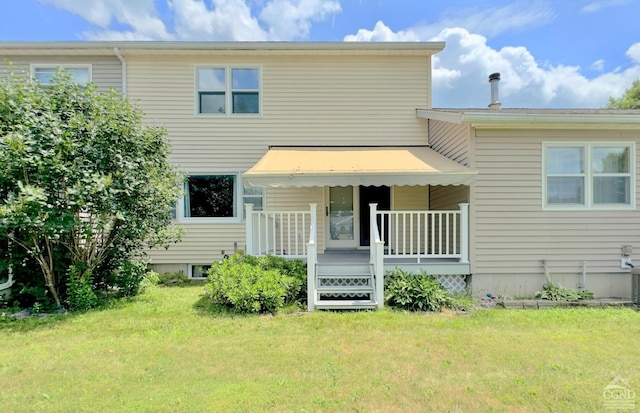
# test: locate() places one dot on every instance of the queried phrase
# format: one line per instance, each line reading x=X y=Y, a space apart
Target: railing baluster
x=455 y=233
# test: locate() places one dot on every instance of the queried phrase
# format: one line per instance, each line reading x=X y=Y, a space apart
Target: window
x=254 y=196
x=211 y=196
x=594 y=175
x=224 y=91
x=198 y=272
x=44 y=74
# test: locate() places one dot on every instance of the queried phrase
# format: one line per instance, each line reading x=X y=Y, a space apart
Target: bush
x=555 y=292
x=128 y=278
x=253 y=284
x=173 y=278
x=416 y=292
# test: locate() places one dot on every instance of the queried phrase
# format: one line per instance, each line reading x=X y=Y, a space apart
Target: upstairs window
x=594 y=175
x=44 y=74
x=228 y=90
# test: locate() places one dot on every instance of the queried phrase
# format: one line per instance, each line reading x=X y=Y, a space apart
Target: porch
x=347 y=278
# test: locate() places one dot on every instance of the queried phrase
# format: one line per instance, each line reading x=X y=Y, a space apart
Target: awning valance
x=341 y=166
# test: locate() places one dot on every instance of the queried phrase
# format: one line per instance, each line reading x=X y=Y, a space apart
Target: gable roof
x=537 y=118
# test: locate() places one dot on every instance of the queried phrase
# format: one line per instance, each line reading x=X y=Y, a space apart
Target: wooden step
x=339 y=269
x=345 y=304
x=346 y=276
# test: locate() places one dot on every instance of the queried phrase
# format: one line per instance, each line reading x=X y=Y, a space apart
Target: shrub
x=130 y=275
x=415 y=292
x=173 y=278
x=250 y=284
x=555 y=292
x=81 y=295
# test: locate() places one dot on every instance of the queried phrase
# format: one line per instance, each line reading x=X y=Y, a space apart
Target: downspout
x=116 y=51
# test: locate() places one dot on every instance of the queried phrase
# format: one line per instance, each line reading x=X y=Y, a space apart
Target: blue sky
x=551 y=53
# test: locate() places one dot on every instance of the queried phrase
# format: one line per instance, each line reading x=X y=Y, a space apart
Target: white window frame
x=262 y=195
x=589 y=175
x=65 y=66
x=228 y=92
x=237 y=202
x=190 y=271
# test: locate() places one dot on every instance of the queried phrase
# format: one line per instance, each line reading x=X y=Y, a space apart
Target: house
x=332 y=152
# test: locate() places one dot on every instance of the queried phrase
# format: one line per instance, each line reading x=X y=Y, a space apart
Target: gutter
x=504 y=119
x=116 y=51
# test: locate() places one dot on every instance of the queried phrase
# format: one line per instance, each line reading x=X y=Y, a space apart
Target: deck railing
x=424 y=234
x=377 y=258
x=282 y=233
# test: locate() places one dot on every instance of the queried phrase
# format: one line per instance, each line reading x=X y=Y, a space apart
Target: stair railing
x=312 y=259
x=377 y=256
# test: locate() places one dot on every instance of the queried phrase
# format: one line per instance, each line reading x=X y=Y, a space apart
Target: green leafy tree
x=85 y=185
x=630 y=99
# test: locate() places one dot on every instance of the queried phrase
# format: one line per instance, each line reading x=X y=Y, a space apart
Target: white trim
x=34 y=66
x=237 y=201
x=228 y=91
x=535 y=119
x=588 y=176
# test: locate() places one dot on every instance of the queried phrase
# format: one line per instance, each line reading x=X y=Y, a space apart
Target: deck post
x=464 y=233
x=249 y=229
x=312 y=259
x=373 y=211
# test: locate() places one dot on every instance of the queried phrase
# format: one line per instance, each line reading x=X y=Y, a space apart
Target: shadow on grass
x=183 y=284
x=204 y=307
x=10 y=324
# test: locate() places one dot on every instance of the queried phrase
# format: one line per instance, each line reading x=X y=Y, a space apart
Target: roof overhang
x=537 y=118
x=222 y=48
x=368 y=166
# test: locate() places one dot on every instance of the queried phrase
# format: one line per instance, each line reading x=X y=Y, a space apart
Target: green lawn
x=167 y=351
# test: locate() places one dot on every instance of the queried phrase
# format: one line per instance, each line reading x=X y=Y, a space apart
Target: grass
x=169 y=351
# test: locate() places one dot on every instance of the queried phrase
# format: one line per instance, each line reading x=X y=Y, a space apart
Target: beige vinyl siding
x=511 y=234
x=305 y=100
x=448 y=197
x=410 y=198
x=450 y=140
x=106 y=70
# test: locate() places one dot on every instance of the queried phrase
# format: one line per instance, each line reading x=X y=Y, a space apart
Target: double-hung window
x=228 y=90
x=45 y=73
x=589 y=176
x=212 y=197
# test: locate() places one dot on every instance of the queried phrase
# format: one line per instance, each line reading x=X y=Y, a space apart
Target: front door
x=341 y=217
x=348 y=212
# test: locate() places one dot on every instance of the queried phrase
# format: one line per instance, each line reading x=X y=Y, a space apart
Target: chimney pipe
x=494 y=80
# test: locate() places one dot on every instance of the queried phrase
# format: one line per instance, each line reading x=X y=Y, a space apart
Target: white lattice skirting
x=453 y=283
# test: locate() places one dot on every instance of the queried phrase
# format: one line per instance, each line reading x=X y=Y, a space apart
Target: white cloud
x=461 y=70
x=140 y=15
x=525 y=82
x=634 y=52
x=200 y=19
x=598 y=65
x=596 y=6
x=225 y=20
x=289 y=19
x=489 y=22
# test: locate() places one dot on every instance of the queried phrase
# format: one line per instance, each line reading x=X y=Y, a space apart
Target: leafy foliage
x=556 y=292
x=630 y=99
x=85 y=187
x=420 y=292
x=250 y=284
